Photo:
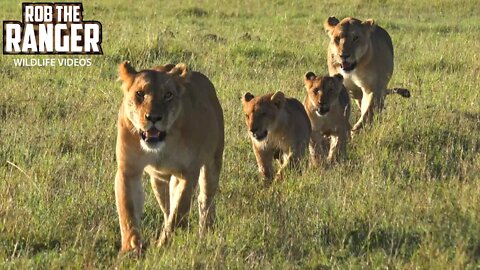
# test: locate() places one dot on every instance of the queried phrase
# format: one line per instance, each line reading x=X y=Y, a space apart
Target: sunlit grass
x=408 y=196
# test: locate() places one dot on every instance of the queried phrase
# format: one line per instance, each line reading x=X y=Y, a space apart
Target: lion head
x=349 y=40
x=322 y=91
x=152 y=100
x=261 y=113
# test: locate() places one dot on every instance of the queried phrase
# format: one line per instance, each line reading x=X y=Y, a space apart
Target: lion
x=327 y=104
x=279 y=128
x=363 y=53
x=170 y=125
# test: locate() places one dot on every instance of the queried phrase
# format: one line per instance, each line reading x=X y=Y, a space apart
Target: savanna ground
x=408 y=196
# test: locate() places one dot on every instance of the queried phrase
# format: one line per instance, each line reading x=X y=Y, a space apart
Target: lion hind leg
x=208 y=186
x=181 y=191
x=318 y=149
x=265 y=163
x=160 y=186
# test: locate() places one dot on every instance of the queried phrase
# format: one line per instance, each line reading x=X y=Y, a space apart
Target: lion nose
x=253 y=130
x=344 y=56
x=153 y=118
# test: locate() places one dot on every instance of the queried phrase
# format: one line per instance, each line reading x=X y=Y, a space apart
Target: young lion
x=363 y=53
x=328 y=107
x=170 y=125
x=278 y=127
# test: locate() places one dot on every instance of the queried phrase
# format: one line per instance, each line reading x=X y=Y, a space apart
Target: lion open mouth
x=259 y=136
x=346 y=66
x=322 y=110
x=153 y=135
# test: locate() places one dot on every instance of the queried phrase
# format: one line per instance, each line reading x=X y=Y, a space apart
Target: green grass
x=408 y=196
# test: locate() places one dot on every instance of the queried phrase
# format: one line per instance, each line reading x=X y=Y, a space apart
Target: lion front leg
x=287 y=161
x=265 y=163
x=366 y=109
x=129 y=200
x=338 y=146
x=292 y=159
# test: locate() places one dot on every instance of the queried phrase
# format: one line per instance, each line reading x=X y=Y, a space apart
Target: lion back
x=296 y=109
x=206 y=108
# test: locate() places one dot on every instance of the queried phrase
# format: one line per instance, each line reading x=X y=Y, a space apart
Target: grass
x=408 y=196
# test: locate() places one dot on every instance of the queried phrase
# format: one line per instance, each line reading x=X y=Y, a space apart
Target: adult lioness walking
x=363 y=53
x=170 y=125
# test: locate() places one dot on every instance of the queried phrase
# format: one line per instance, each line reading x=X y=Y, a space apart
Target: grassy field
x=408 y=196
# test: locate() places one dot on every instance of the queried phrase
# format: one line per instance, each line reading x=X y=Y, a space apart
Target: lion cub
x=328 y=107
x=278 y=127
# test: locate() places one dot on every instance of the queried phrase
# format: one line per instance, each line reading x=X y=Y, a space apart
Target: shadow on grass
x=283 y=236
x=445 y=150
x=24 y=248
x=263 y=56
x=152 y=53
x=393 y=242
x=10 y=109
x=474 y=251
x=193 y=12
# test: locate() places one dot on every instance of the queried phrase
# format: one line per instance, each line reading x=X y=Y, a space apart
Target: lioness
x=328 y=107
x=170 y=125
x=278 y=127
x=363 y=53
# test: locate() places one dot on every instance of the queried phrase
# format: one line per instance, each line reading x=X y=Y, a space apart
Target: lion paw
x=164 y=238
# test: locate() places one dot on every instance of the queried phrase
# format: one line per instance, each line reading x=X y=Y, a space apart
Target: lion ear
x=369 y=24
x=247 y=97
x=330 y=24
x=338 y=82
x=308 y=79
x=164 y=68
x=338 y=77
x=278 y=99
x=126 y=73
x=180 y=73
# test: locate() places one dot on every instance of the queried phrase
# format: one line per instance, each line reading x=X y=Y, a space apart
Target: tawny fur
x=189 y=113
x=363 y=53
x=278 y=127
x=328 y=107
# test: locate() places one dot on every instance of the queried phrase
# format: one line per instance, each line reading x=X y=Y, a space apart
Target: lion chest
x=358 y=81
x=171 y=160
x=323 y=124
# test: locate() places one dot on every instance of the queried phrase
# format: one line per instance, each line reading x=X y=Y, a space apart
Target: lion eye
x=355 y=38
x=337 y=40
x=168 y=96
x=140 y=95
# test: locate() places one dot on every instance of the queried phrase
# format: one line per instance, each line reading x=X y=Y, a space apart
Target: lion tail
x=400 y=91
